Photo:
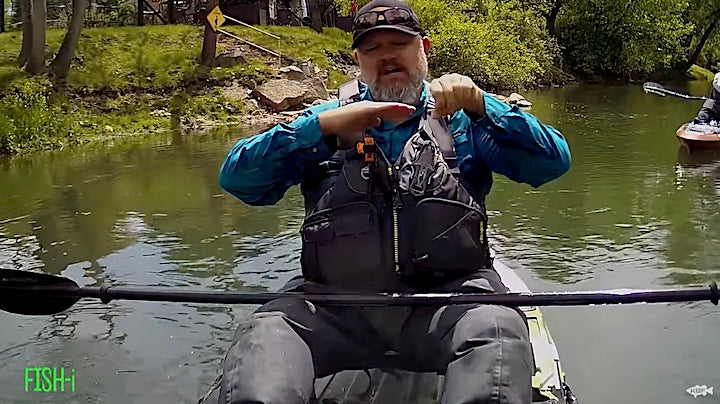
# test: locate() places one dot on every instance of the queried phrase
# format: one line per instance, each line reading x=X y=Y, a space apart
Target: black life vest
x=372 y=226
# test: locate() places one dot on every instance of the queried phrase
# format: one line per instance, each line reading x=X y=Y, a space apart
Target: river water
x=634 y=211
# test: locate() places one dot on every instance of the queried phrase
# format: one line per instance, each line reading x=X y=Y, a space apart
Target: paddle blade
x=654 y=88
x=32 y=293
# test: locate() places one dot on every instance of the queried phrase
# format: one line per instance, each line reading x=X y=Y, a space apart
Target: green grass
x=302 y=43
x=166 y=57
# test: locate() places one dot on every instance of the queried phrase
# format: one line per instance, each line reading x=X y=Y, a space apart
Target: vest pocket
x=342 y=247
x=447 y=238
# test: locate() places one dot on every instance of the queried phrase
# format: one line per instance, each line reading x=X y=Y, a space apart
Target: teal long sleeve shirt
x=260 y=169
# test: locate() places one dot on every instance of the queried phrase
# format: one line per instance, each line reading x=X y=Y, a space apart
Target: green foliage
x=630 y=39
x=254 y=71
x=136 y=57
x=215 y=105
x=30 y=119
x=301 y=43
x=496 y=43
x=485 y=53
x=343 y=6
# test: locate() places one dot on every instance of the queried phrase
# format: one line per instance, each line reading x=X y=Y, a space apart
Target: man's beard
x=406 y=94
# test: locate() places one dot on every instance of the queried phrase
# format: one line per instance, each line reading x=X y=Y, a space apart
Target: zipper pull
x=397 y=201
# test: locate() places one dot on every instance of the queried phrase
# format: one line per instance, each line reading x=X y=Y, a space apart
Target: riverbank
x=143 y=80
x=139 y=81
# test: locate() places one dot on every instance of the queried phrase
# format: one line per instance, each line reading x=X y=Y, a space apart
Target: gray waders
x=483 y=350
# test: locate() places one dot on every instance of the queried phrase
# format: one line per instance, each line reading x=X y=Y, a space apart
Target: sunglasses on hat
x=391 y=16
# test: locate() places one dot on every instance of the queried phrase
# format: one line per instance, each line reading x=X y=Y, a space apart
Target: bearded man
x=394 y=176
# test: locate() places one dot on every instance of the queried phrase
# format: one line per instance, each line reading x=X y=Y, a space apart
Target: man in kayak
x=710 y=110
x=394 y=177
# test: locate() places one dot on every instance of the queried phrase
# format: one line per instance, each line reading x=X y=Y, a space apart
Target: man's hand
x=453 y=92
x=349 y=122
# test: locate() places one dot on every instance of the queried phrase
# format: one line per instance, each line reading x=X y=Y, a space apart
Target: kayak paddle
x=33 y=293
x=657 y=89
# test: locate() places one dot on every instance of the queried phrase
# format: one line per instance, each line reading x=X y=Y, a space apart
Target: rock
x=514 y=98
x=307 y=68
x=316 y=90
x=524 y=104
x=109 y=129
x=231 y=57
x=281 y=94
x=292 y=73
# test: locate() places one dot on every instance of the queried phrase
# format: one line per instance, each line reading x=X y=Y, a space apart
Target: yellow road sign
x=215 y=18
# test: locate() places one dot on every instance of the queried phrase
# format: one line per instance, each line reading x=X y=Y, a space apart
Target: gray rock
x=514 y=98
x=280 y=94
x=292 y=73
x=230 y=58
x=316 y=90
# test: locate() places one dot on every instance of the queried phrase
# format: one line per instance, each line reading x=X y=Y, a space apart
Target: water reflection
x=618 y=208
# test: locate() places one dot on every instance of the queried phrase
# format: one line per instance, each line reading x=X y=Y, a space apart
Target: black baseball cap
x=405 y=20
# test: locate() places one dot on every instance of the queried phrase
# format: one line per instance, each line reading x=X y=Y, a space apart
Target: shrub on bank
x=29 y=119
x=497 y=44
x=629 y=39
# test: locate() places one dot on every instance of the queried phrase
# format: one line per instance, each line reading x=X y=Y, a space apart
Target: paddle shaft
x=108 y=293
x=657 y=89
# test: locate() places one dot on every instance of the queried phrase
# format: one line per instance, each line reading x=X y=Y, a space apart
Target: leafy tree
x=629 y=39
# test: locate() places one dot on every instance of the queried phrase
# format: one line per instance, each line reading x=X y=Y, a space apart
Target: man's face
x=393 y=64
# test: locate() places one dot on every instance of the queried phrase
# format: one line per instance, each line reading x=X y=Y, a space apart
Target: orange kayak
x=696 y=136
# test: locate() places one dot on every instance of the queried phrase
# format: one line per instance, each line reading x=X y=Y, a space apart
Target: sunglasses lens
x=397 y=16
x=365 y=21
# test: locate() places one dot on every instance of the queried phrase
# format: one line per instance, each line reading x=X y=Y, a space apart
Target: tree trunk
x=140 y=11
x=2 y=15
x=27 y=32
x=315 y=15
x=171 y=11
x=706 y=35
x=551 y=18
x=210 y=41
x=61 y=64
x=36 y=57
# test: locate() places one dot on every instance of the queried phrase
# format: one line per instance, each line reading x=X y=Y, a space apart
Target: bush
x=629 y=39
x=484 y=52
x=497 y=44
x=29 y=117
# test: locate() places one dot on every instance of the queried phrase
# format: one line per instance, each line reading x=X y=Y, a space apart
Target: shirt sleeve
x=260 y=169
x=515 y=143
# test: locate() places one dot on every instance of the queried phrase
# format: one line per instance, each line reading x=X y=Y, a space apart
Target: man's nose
x=387 y=53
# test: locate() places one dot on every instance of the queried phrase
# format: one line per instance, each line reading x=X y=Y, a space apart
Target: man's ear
x=426 y=45
x=355 y=55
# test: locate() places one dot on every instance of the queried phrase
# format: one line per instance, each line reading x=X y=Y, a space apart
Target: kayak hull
x=693 y=136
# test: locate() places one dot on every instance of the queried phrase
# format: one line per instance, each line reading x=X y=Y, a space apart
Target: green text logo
x=47 y=379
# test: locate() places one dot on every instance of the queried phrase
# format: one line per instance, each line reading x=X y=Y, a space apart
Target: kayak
x=377 y=386
x=696 y=136
x=403 y=387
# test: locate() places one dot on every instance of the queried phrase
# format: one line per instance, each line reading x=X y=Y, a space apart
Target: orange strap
x=367 y=147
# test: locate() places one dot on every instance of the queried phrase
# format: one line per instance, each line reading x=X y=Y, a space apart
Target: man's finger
x=394 y=111
x=436 y=91
x=449 y=90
